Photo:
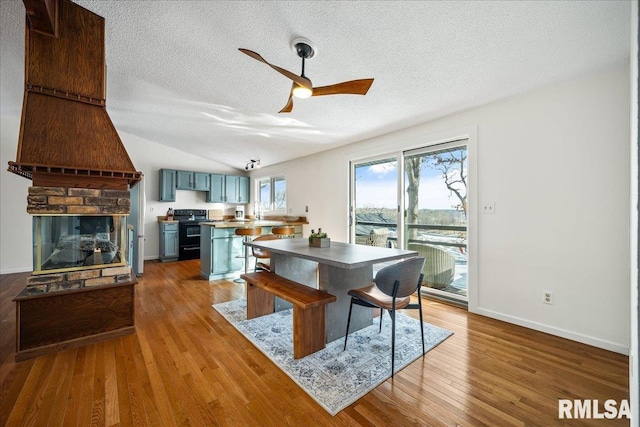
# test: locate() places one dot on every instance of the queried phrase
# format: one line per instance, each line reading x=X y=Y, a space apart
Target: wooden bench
x=308 y=308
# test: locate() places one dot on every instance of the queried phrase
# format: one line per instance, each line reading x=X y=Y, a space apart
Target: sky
x=376 y=187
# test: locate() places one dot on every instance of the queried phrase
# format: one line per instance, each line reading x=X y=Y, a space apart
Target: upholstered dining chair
x=262 y=255
x=391 y=290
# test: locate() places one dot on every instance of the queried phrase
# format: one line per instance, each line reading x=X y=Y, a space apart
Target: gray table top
x=343 y=255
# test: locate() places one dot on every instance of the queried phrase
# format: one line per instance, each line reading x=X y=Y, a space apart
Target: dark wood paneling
x=58 y=132
x=64 y=118
x=43 y=16
x=74 y=61
x=58 y=316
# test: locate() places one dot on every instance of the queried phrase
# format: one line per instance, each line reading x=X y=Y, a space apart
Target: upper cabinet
x=243 y=189
x=229 y=189
x=198 y=181
x=167 y=185
x=220 y=188
x=217 y=190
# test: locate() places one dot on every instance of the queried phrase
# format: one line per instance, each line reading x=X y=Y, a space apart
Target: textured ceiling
x=175 y=75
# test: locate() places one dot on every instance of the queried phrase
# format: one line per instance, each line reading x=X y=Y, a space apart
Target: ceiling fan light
x=301 y=92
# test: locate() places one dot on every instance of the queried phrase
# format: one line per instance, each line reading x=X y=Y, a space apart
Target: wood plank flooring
x=186 y=365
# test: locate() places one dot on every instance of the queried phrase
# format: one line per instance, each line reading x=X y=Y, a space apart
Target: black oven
x=189 y=232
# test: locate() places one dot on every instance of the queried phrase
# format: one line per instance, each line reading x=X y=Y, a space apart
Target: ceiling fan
x=302 y=86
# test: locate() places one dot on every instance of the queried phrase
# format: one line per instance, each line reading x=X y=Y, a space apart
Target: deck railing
x=427 y=227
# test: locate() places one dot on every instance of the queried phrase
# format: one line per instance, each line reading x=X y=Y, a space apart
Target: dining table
x=335 y=269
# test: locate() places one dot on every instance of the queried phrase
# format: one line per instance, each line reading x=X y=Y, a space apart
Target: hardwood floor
x=187 y=366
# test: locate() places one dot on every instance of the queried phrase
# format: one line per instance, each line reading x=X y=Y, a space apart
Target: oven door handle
x=195 y=248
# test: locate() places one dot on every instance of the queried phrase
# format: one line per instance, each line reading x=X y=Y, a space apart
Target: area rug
x=332 y=377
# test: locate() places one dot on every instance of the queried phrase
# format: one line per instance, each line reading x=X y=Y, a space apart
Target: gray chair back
x=406 y=272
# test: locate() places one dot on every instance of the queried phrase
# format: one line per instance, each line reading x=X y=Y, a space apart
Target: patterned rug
x=332 y=377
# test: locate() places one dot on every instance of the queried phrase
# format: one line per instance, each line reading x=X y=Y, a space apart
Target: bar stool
x=263 y=256
x=247 y=234
x=283 y=231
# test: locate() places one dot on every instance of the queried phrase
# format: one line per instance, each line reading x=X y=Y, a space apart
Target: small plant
x=318 y=235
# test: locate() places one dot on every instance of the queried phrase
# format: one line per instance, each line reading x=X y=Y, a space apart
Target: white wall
x=556 y=163
x=15 y=223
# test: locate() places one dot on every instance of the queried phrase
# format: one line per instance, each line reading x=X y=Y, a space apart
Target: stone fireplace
x=79 y=238
x=82 y=287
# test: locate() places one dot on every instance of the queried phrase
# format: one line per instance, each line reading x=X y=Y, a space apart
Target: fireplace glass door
x=67 y=243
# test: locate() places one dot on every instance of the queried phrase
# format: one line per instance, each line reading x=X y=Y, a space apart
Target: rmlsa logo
x=592 y=409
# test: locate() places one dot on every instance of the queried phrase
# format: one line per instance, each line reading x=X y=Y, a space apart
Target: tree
x=412 y=168
x=452 y=163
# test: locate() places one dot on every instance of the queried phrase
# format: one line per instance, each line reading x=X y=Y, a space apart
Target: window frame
x=272 y=180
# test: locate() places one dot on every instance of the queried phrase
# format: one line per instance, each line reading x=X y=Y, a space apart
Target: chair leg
x=381 y=316
x=421 y=323
x=346 y=335
x=393 y=340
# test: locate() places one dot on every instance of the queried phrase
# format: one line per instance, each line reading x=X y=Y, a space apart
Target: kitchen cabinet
x=169 y=244
x=228 y=189
x=221 y=255
x=242 y=196
x=186 y=180
x=168 y=185
x=217 y=189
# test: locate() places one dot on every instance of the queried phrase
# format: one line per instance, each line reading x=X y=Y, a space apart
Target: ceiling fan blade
x=302 y=81
x=352 y=87
x=287 y=108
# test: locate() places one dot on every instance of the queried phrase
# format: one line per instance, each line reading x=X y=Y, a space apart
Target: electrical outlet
x=547 y=297
x=306 y=208
x=489 y=208
x=151 y=209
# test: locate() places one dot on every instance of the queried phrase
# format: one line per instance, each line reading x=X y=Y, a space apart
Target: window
x=272 y=194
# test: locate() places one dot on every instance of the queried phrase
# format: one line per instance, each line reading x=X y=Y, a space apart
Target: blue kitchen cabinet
x=228 y=189
x=216 y=189
x=169 y=244
x=242 y=195
x=221 y=255
x=187 y=180
x=201 y=181
x=231 y=188
x=168 y=179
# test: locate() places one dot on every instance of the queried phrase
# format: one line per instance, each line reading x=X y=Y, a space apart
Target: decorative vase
x=320 y=243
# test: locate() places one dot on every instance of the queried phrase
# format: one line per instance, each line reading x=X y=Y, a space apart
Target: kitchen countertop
x=249 y=223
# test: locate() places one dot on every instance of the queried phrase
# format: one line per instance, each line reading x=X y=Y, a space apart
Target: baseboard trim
x=559 y=332
x=16 y=270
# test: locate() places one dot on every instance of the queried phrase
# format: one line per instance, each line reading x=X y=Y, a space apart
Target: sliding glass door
x=417 y=200
x=436 y=215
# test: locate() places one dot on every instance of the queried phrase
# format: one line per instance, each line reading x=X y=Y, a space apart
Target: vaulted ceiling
x=175 y=75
